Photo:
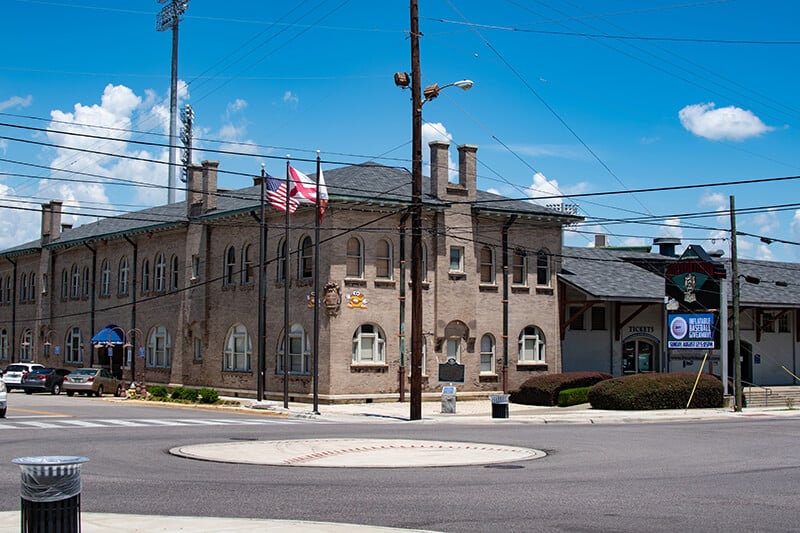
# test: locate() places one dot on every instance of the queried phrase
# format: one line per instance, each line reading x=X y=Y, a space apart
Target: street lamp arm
x=432 y=91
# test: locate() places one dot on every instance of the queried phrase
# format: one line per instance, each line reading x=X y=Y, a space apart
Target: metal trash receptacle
x=50 y=493
x=499 y=405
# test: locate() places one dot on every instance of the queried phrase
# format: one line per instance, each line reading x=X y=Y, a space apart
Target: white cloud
x=672 y=228
x=19 y=225
x=234 y=129
x=767 y=222
x=435 y=131
x=290 y=98
x=16 y=101
x=725 y=123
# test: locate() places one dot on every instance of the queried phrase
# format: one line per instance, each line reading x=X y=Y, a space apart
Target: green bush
x=158 y=391
x=208 y=395
x=544 y=389
x=656 y=391
x=575 y=396
x=184 y=394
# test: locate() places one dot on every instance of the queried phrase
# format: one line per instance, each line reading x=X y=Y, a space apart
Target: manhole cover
x=358 y=453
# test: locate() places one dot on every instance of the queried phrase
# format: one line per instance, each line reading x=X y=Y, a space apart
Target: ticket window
x=638 y=356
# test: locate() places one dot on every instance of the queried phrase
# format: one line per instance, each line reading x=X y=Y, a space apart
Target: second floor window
x=305 y=266
x=456 y=259
x=487 y=265
x=160 y=274
x=105 y=279
x=355 y=258
x=383 y=260
x=230 y=266
x=124 y=271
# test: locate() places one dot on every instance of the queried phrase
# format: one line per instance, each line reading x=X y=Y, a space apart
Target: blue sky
x=571 y=97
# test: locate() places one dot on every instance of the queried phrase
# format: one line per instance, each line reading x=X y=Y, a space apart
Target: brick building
x=170 y=295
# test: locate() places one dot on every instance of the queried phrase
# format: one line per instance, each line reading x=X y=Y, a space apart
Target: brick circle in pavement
x=357 y=453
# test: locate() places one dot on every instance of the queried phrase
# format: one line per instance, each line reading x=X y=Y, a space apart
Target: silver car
x=90 y=381
x=16 y=372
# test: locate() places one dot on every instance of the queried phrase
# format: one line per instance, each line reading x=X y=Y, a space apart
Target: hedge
x=544 y=390
x=657 y=391
x=577 y=396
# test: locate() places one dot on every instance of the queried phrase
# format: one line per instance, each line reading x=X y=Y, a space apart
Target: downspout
x=507 y=225
x=13 y=312
x=401 y=371
x=92 y=302
x=133 y=307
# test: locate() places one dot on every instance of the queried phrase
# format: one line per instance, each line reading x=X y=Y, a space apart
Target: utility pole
x=416 y=220
x=170 y=17
x=737 y=350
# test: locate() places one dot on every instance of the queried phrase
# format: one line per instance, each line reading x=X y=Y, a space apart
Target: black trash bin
x=50 y=493
x=499 y=405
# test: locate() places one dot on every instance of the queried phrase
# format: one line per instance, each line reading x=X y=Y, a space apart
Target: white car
x=16 y=372
x=3 y=399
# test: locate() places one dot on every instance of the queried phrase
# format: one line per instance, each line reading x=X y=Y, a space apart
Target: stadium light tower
x=170 y=17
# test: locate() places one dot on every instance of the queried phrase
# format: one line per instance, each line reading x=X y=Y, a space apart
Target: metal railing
x=766 y=390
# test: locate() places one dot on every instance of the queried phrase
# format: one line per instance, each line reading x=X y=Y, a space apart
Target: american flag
x=276 y=194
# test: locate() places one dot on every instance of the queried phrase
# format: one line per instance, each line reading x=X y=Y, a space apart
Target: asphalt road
x=698 y=476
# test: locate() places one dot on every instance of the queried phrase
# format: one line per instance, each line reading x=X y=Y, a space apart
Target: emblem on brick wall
x=356 y=300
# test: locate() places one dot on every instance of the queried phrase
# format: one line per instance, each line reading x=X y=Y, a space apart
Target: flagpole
x=262 y=292
x=317 y=298
x=286 y=294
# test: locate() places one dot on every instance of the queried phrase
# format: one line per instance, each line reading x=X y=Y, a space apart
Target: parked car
x=16 y=372
x=44 y=380
x=90 y=381
x=3 y=399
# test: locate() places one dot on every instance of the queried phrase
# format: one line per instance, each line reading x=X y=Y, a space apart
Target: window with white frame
x=230 y=266
x=160 y=273
x=305 y=263
x=456 y=259
x=26 y=346
x=73 y=346
x=383 y=260
x=146 y=275
x=10 y=289
x=4 y=345
x=299 y=351
x=283 y=261
x=531 y=345
x=105 y=278
x=124 y=276
x=173 y=273
x=519 y=267
x=75 y=290
x=238 y=349
x=159 y=348
x=453 y=346
x=543 y=268
x=487 y=265
x=487 y=354
x=354 y=262
x=247 y=265
x=23 y=288
x=85 y=283
x=369 y=345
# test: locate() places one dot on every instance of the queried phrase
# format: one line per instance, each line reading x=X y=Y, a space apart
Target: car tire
x=2 y=413
x=118 y=392
x=56 y=390
x=99 y=391
x=70 y=392
x=28 y=392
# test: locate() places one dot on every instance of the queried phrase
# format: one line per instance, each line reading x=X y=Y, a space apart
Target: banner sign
x=691 y=330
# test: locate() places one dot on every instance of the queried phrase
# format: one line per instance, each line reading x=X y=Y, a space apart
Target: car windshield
x=43 y=370
x=85 y=371
x=16 y=368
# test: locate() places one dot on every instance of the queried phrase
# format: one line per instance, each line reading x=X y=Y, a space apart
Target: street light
x=403 y=79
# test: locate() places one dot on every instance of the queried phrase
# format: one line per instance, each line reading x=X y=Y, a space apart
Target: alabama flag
x=305 y=189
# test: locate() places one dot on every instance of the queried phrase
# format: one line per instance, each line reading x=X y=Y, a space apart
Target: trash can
x=499 y=405
x=50 y=493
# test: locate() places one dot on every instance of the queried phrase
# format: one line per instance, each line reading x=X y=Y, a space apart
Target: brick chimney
x=209 y=185
x=439 y=168
x=194 y=190
x=46 y=214
x=468 y=169
x=55 y=219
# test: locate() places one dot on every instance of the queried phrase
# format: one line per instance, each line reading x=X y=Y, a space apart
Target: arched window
x=173 y=273
x=10 y=289
x=383 y=260
x=105 y=278
x=32 y=287
x=519 y=267
x=487 y=265
x=455 y=333
x=355 y=258
x=238 y=350
x=282 y=261
x=159 y=348
x=369 y=345
x=543 y=268
x=75 y=290
x=160 y=273
x=85 y=282
x=23 y=288
x=487 y=354
x=531 y=345
x=299 y=351
x=305 y=265
x=4 y=345
x=230 y=266
x=123 y=277
x=26 y=346
x=247 y=265
x=73 y=346
x=2 y=292
x=146 y=275
x=64 y=284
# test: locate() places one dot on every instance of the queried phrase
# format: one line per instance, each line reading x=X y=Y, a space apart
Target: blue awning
x=111 y=334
